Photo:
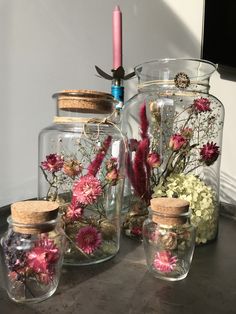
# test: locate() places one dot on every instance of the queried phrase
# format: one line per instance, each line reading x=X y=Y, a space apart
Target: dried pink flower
x=72 y=168
x=137 y=230
x=111 y=164
x=112 y=176
x=209 y=153
x=201 y=104
x=95 y=165
x=37 y=260
x=87 y=189
x=154 y=160
x=42 y=258
x=164 y=261
x=143 y=122
x=53 y=163
x=177 y=141
x=74 y=212
x=88 y=239
x=140 y=170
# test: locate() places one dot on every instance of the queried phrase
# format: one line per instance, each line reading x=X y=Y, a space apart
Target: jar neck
x=175 y=75
x=168 y=87
x=33 y=228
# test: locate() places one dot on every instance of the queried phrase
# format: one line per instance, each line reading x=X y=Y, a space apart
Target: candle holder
x=117 y=78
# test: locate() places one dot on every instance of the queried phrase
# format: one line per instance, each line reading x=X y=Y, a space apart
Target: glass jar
x=169 y=239
x=81 y=166
x=33 y=249
x=174 y=127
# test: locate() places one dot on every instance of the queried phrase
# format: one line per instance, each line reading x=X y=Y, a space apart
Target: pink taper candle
x=117 y=37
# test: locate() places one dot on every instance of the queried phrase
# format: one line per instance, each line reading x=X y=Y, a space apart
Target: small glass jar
x=33 y=249
x=81 y=166
x=169 y=239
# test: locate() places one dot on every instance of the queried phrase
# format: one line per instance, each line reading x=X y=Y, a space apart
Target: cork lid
x=169 y=211
x=85 y=101
x=33 y=216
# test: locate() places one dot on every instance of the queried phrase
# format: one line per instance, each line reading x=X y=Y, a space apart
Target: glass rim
x=169 y=60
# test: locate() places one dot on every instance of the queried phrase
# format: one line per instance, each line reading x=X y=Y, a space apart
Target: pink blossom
x=164 y=261
x=137 y=230
x=177 y=141
x=112 y=176
x=37 y=260
x=202 y=104
x=53 y=163
x=74 y=212
x=88 y=239
x=209 y=153
x=111 y=164
x=42 y=256
x=72 y=168
x=87 y=189
x=154 y=160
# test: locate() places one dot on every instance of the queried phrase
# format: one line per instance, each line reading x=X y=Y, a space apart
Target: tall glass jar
x=169 y=239
x=81 y=166
x=174 y=127
x=33 y=249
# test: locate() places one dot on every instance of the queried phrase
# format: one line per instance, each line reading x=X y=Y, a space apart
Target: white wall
x=50 y=45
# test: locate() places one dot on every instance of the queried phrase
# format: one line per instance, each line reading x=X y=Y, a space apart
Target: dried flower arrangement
x=32 y=265
x=170 y=161
x=86 y=182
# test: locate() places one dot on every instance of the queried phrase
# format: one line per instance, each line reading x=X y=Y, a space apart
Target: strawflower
x=87 y=189
x=164 y=261
x=177 y=141
x=201 y=104
x=112 y=176
x=88 y=239
x=41 y=257
x=154 y=160
x=53 y=163
x=74 y=211
x=209 y=153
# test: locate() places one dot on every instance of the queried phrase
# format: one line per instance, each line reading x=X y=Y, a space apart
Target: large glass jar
x=33 y=249
x=169 y=239
x=174 y=127
x=81 y=165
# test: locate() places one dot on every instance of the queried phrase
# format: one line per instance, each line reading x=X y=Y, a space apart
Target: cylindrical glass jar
x=169 y=239
x=174 y=127
x=33 y=249
x=81 y=166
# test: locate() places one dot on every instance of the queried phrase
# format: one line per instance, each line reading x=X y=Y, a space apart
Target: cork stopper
x=31 y=217
x=169 y=211
x=85 y=101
